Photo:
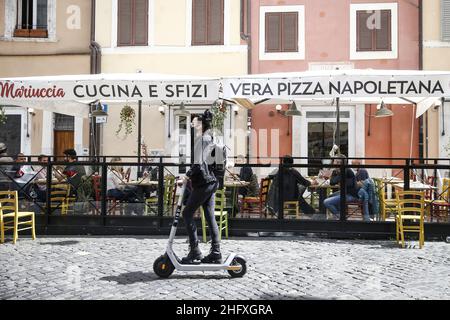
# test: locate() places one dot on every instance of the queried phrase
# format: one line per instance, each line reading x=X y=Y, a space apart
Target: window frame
x=133 y=29
x=373 y=34
x=11 y=11
x=222 y=42
x=300 y=53
x=378 y=54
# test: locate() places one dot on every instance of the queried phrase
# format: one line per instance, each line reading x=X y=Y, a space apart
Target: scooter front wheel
x=163 y=267
x=238 y=261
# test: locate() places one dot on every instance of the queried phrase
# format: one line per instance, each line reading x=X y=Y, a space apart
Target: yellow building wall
x=169 y=22
x=436 y=56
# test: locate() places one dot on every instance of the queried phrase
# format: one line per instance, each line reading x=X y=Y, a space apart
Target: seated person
x=41 y=189
x=115 y=187
x=246 y=174
x=366 y=190
x=294 y=185
x=23 y=174
x=333 y=202
x=73 y=173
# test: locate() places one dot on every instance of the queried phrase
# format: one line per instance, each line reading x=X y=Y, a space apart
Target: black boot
x=194 y=255
x=214 y=255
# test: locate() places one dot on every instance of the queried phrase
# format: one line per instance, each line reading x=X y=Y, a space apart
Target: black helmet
x=206 y=116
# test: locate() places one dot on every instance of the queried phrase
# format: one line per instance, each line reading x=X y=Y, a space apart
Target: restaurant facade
x=312 y=35
x=39 y=38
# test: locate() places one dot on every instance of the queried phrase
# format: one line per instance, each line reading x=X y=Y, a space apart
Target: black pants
x=201 y=196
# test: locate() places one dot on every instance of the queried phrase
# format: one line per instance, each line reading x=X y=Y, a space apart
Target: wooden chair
x=439 y=208
x=220 y=215
x=256 y=205
x=411 y=209
x=291 y=208
x=12 y=219
x=169 y=198
x=59 y=197
x=354 y=208
x=387 y=206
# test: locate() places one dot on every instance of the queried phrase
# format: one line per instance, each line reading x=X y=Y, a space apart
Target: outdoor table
x=388 y=183
x=419 y=186
x=141 y=183
x=44 y=181
x=234 y=184
x=322 y=186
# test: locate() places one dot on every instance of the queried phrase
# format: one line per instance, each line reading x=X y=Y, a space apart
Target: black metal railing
x=145 y=193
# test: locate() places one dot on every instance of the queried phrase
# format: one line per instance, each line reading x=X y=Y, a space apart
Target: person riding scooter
x=204 y=185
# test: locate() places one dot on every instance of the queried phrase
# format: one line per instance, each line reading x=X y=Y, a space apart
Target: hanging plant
x=2 y=115
x=127 y=120
x=219 y=112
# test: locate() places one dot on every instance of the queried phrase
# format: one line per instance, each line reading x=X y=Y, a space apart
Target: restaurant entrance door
x=319 y=128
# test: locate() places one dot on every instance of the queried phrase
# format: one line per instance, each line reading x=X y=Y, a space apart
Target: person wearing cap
x=203 y=187
x=6 y=171
x=73 y=173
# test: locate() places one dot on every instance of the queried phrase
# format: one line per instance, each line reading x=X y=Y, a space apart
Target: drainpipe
x=95 y=68
x=420 y=35
x=246 y=37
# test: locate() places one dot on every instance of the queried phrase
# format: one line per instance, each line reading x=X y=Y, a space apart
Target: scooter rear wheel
x=163 y=267
x=238 y=261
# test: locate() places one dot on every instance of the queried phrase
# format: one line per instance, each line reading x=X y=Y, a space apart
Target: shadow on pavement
x=139 y=276
x=60 y=243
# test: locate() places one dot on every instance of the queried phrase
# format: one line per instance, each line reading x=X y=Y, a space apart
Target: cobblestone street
x=278 y=268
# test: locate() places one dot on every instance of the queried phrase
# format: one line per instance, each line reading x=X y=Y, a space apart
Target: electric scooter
x=167 y=263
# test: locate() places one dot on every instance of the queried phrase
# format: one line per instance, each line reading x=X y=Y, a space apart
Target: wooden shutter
x=132 y=23
x=289 y=37
x=215 y=22
x=140 y=22
x=363 y=33
x=383 y=35
x=207 y=22
x=125 y=23
x=273 y=32
x=199 y=22
x=445 y=20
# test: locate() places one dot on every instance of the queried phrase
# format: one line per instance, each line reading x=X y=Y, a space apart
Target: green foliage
x=127 y=121
x=219 y=111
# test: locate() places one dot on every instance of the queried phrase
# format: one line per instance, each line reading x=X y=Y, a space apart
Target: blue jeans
x=333 y=203
x=364 y=196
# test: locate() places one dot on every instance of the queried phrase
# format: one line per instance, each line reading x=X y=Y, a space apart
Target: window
x=282 y=33
x=207 y=22
x=132 y=29
x=374 y=30
x=32 y=19
x=445 y=20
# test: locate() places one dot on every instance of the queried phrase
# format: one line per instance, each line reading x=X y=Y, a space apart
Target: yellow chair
x=411 y=209
x=11 y=218
x=387 y=206
x=60 y=197
x=291 y=208
x=169 y=197
x=219 y=213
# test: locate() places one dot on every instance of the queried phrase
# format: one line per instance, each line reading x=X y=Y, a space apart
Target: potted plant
x=219 y=111
x=127 y=121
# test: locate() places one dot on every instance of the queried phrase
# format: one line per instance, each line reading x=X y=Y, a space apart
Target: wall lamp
x=236 y=109
x=161 y=110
